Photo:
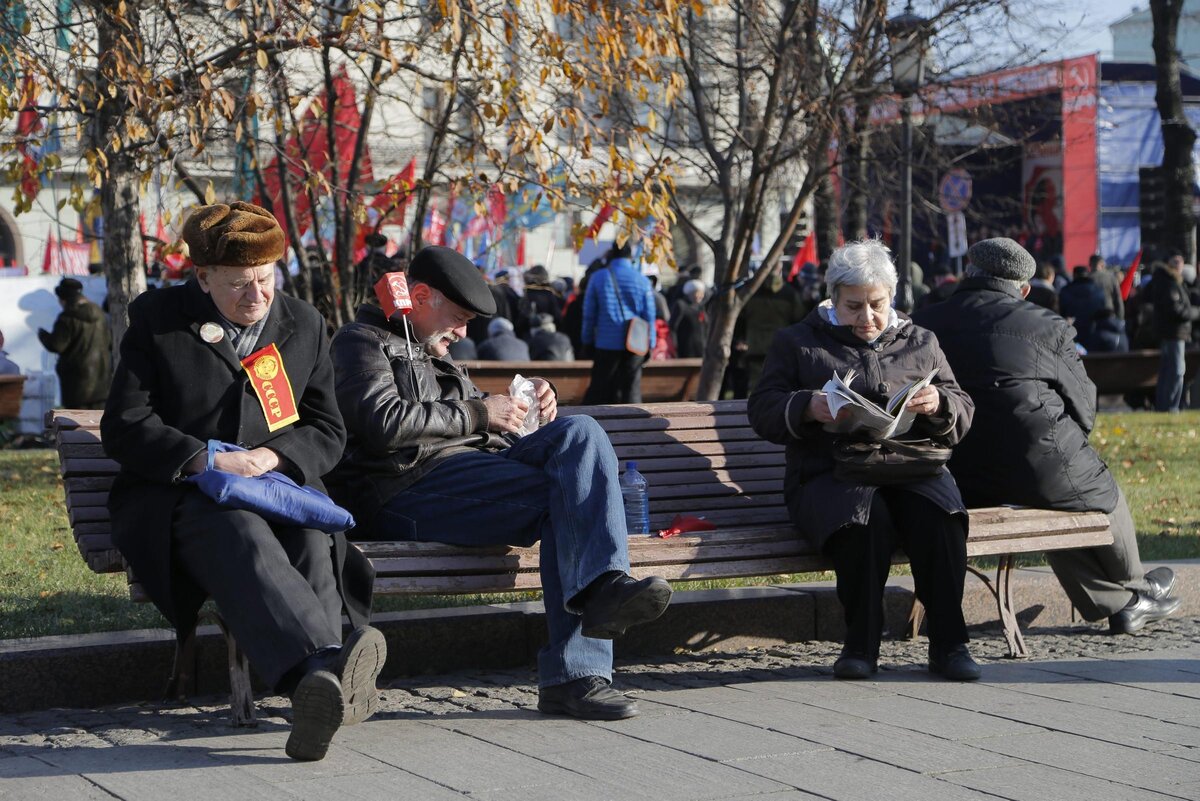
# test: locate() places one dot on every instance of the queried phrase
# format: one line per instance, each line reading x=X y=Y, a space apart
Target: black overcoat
x=801 y=359
x=172 y=392
x=1035 y=404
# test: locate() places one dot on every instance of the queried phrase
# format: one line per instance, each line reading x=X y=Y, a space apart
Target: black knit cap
x=457 y=278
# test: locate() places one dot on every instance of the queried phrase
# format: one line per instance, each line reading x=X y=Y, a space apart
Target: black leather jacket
x=403 y=414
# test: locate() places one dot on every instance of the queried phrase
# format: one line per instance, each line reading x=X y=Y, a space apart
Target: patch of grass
x=46 y=588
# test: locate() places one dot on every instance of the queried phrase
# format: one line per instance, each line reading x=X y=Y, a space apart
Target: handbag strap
x=617 y=289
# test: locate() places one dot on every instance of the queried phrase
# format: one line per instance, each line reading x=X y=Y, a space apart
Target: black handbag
x=888 y=462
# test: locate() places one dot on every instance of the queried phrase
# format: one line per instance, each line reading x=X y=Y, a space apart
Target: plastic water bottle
x=637 y=504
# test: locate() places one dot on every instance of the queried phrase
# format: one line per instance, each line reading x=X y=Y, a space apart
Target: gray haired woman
x=858 y=525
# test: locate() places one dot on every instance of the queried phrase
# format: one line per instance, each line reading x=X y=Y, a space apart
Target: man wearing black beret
x=431 y=458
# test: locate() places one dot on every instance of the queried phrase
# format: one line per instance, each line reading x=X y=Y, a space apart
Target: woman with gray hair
x=859 y=525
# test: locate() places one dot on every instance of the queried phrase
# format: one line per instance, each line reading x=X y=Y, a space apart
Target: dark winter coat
x=1173 y=311
x=801 y=359
x=1108 y=335
x=83 y=342
x=1034 y=403
x=503 y=347
x=550 y=346
x=477 y=325
x=690 y=325
x=173 y=392
x=1043 y=295
x=1080 y=300
x=404 y=414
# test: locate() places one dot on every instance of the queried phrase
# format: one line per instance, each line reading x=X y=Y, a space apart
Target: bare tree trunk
x=858 y=162
x=1178 y=137
x=118 y=27
x=825 y=211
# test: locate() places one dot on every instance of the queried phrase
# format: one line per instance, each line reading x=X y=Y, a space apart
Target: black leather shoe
x=317 y=710
x=620 y=601
x=955 y=664
x=1162 y=583
x=1141 y=610
x=588 y=698
x=852 y=665
x=359 y=663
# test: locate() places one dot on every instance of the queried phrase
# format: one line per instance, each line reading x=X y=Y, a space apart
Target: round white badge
x=212 y=333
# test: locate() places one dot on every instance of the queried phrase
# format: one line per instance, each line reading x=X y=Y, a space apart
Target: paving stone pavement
x=1088 y=717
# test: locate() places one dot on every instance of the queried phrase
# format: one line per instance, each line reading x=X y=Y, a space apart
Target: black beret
x=457 y=278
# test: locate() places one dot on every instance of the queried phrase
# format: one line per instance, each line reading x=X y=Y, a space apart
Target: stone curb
x=89 y=670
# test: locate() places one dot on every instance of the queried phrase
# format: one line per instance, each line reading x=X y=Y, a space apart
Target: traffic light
x=1152 y=211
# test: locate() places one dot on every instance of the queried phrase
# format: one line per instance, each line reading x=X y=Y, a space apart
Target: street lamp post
x=908 y=44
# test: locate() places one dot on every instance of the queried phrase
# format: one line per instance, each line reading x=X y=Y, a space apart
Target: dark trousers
x=936 y=545
x=273 y=584
x=616 y=377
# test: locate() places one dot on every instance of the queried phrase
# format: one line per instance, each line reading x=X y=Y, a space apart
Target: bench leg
x=180 y=684
x=1004 y=602
x=241 y=694
x=916 y=616
x=1001 y=590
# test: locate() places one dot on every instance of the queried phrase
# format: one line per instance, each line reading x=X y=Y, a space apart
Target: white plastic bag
x=523 y=388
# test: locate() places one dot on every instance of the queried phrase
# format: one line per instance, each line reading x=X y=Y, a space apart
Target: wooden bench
x=663 y=380
x=699 y=459
x=1118 y=373
x=12 y=388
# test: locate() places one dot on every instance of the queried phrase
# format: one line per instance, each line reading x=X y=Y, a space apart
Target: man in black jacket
x=430 y=458
x=83 y=342
x=1034 y=409
x=223 y=357
x=1173 y=316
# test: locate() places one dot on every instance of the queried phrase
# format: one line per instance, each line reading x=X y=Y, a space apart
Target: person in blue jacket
x=614 y=295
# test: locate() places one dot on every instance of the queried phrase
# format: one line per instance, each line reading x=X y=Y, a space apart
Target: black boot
x=616 y=601
x=588 y=698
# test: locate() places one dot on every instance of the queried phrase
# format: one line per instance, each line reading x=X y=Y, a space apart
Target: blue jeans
x=1169 y=391
x=558 y=485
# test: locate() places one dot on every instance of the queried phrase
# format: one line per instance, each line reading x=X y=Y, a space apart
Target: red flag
x=392 y=200
x=28 y=125
x=497 y=207
x=521 y=248
x=314 y=149
x=602 y=216
x=1130 y=275
x=807 y=253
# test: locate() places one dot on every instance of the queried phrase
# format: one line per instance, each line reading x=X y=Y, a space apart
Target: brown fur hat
x=237 y=235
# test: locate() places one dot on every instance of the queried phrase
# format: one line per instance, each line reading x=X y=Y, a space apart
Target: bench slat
x=89 y=483
x=73 y=418
x=87 y=467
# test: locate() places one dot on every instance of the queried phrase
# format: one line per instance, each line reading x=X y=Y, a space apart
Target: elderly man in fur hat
x=1028 y=445
x=223 y=357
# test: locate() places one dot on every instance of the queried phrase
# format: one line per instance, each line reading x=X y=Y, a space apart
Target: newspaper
x=864 y=416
